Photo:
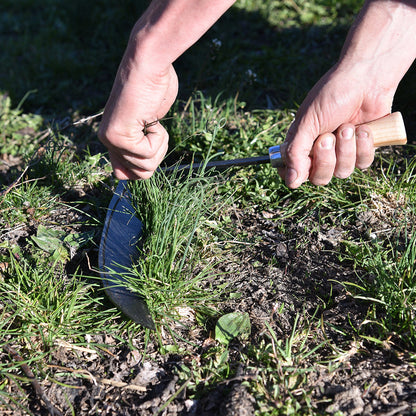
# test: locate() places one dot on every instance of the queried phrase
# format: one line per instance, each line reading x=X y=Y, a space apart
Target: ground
x=277 y=277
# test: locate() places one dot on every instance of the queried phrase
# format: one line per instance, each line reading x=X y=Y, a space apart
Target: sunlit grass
x=388 y=286
x=44 y=307
x=175 y=269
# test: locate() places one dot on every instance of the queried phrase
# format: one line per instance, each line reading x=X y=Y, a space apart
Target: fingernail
x=291 y=176
x=362 y=134
x=347 y=133
x=327 y=142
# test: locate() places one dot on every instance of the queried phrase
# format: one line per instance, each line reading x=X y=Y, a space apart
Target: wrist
x=382 y=42
x=169 y=27
x=145 y=48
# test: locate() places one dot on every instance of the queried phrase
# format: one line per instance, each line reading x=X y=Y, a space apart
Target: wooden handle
x=388 y=130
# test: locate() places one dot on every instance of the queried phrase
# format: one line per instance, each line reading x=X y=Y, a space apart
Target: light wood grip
x=388 y=130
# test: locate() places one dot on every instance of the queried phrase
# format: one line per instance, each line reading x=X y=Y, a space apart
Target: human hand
x=378 y=51
x=324 y=141
x=136 y=141
x=146 y=84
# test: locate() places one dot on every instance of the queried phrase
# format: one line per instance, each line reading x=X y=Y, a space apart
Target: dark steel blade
x=118 y=252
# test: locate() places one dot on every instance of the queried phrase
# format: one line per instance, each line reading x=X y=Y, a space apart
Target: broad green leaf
x=48 y=239
x=232 y=325
x=61 y=253
x=77 y=240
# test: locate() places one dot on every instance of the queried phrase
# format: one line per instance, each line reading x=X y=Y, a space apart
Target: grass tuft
x=389 y=286
x=43 y=305
x=175 y=270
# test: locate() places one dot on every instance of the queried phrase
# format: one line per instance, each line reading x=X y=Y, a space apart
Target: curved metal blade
x=118 y=252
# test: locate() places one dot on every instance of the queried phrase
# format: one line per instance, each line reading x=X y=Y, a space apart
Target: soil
x=277 y=276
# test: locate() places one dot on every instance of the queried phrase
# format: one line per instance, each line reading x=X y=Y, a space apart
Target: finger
x=345 y=149
x=120 y=172
x=124 y=170
x=129 y=166
x=324 y=159
x=293 y=178
x=296 y=152
x=144 y=156
x=365 y=147
x=149 y=146
x=145 y=144
x=137 y=137
x=145 y=164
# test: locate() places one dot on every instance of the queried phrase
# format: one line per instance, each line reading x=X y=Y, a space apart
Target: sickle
x=119 y=246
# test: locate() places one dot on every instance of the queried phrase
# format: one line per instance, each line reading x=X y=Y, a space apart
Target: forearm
x=382 y=41
x=169 y=27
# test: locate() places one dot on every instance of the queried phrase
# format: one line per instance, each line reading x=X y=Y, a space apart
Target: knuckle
x=148 y=166
x=295 y=157
x=108 y=136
